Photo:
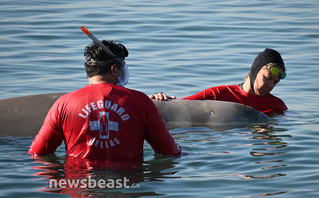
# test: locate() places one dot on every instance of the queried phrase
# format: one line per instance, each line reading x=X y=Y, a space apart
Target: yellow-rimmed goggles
x=275 y=71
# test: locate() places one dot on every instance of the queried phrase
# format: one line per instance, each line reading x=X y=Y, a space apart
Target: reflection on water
x=272 y=144
x=208 y=155
x=67 y=178
x=271 y=194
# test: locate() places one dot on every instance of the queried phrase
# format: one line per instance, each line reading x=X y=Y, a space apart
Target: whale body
x=23 y=116
x=219 y=115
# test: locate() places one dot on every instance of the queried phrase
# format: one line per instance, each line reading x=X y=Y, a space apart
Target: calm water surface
x=181 y=48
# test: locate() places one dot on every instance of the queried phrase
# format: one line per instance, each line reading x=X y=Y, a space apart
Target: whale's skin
x=210 y=113
x=23 y=116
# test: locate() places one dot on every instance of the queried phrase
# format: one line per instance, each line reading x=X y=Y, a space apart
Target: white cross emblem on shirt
x=104 y=125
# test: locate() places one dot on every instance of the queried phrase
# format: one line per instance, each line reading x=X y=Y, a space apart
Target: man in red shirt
x=104 y=120
x=266 y=71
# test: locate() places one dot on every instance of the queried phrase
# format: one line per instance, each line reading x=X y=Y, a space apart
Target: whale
x=23 y=116
x=219 y=115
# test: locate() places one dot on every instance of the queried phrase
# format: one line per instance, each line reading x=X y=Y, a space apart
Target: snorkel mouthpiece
x=118 y=61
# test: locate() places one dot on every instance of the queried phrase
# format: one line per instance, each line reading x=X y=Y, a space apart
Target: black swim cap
x=263 y=58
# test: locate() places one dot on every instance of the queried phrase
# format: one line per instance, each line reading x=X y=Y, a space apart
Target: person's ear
x=115 y=71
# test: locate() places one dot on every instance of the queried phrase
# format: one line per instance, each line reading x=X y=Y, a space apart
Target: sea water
x=180 y=48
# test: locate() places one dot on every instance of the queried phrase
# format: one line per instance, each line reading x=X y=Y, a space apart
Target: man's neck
x=247 y=87
x=101 y=79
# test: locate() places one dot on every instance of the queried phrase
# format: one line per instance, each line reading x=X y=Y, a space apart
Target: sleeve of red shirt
x=157 y=135
x=280 y=107
x=50 y=135
x=207 y=94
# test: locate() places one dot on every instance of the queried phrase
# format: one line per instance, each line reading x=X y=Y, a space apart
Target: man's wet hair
x=98 y=62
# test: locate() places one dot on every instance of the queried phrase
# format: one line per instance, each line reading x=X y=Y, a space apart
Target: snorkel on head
x=118 y=61
x=262 y=59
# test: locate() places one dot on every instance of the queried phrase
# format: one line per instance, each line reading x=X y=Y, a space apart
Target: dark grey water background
x=179 y=47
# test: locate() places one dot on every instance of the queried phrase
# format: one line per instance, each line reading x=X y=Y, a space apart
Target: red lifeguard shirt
x=268 y=104
x=104 y=121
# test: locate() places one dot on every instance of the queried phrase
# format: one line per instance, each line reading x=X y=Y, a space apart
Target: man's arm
x=50 y=135
x=207 y=94
x=199 y=96
x=157 y=134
